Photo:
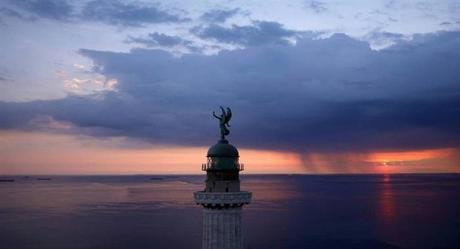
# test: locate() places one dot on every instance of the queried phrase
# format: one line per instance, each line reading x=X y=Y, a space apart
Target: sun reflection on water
x=386 y=202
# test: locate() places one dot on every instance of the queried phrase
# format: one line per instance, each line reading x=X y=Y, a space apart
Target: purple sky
x=303 y=77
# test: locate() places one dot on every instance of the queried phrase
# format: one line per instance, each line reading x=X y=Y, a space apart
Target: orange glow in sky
x=446 y=160
x=47 y=153
x=44 y=153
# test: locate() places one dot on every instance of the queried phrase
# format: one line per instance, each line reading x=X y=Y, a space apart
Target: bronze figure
x=224 y=118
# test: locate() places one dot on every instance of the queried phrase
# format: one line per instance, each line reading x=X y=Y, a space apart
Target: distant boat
x=6 y=180
x=156 y=178
x=43 y=179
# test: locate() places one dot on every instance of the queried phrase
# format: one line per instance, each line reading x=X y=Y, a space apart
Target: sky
x=316 y=87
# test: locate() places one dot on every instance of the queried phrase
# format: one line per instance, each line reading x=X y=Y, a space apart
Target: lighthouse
x=222 y=199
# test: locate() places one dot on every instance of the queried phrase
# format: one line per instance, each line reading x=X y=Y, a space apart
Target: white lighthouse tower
x=222 y=199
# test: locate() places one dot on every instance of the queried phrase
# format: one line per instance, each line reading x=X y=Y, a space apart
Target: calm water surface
x=340 y=212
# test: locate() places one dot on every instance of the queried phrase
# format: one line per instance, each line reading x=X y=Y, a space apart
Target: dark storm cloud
x=333 y=94
x=50 y=9
x=218 y=16
x=158 y=39
x=127 y=14
x=262 y=32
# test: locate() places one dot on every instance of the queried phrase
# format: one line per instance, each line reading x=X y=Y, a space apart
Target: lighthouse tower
x=222 y=199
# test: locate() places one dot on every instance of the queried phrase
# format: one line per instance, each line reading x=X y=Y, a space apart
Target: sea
x=412 y=211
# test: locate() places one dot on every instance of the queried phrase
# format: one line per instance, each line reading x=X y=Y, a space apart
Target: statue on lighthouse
x=224 y=118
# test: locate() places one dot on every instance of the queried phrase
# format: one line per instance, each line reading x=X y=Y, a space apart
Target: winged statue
x=224 y=118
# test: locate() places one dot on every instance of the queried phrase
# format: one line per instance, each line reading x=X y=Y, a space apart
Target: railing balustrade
x=209 y=165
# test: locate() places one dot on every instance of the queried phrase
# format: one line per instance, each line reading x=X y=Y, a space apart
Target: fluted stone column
x=222 y=228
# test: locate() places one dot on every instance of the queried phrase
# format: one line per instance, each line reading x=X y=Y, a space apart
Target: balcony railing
x=221 y=199
x=208 y=166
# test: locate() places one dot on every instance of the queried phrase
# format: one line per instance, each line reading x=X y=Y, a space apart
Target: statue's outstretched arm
x=214 y=114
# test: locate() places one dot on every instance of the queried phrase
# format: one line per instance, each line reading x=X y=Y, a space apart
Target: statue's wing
x=224 y=114
x=229 y=114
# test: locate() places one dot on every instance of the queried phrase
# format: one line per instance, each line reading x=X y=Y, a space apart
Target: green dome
x=223 y=149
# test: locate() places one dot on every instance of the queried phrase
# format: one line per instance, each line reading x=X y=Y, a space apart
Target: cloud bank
x=261 y=32
x=111 y=12
x=218 y=15
x=321 y=95
x=126 y=14
x=49 y=9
